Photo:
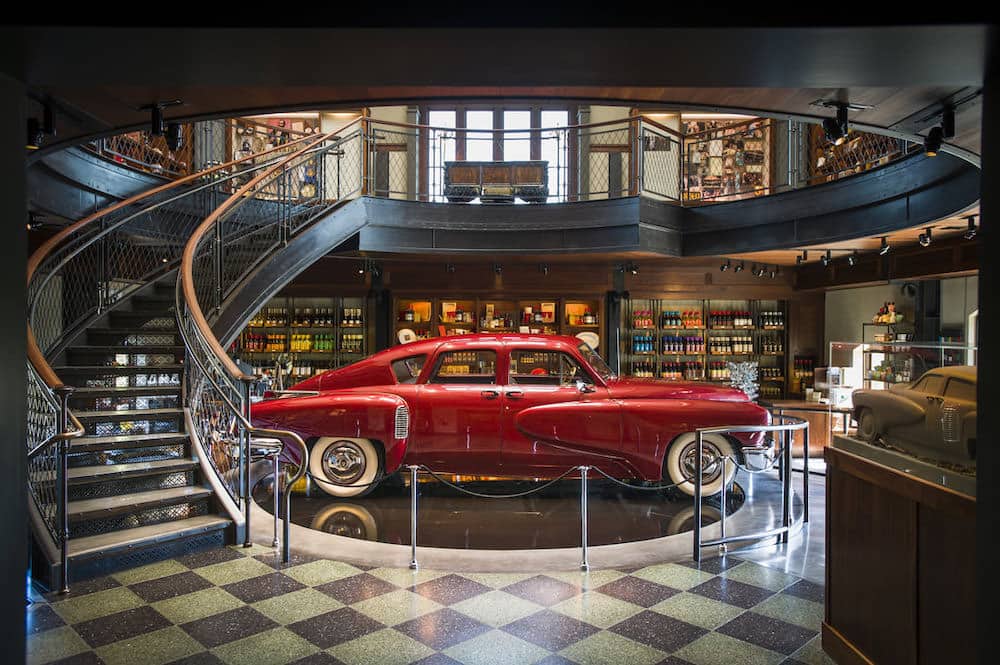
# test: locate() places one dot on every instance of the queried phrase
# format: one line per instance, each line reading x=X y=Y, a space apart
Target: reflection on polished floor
x=237 y=605
x=544 y=519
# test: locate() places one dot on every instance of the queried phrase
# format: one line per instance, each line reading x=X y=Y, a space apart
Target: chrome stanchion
x=584 y=470
x=277 y=485
x=725 y=461
x=413 y=518
x=805 y=475
x=786 y=487
x=697 y=496
x=245 y=463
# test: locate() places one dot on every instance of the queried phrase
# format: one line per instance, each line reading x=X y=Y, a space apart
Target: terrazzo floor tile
x=263 y=587
x=714 y=648
x=698 y=610
x=396 y=607
x=715 y=565
x=155 y=648
x=275 y=559
x=297 y=606
x=120 y=626
x=769 y=633
x=169 y=586
x=497 y=648
x=442 y=629
x=272 y=647
x=318 y=658
x=319 y=572
x=228 y=626
x=54 y=644
x=597 y=609
x=658 y=631
x=812 y=653
x=336 y=627
x=732 y=592
x=94 y=605
x=673 y=575
x=450 y=589
x=496 y=608
x=236 y=570
x=350 y=590
x=807 y=590
x=203 y=658
x=383 y=647
x=498 y=580
x=761 y=576
x=83 y=588
x=41 y=616
x=606 y=648
x=555 y=659
x=550 y=630
x=85 y=658
x=586 y=580
x=637 y=591
x=209 y=556
x=404 y=577
x=543 y=590
x=197 y=605
x=797 y=611
x=437 y=659
x=150 y=572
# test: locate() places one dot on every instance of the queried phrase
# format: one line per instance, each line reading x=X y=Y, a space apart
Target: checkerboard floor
x=243 y=606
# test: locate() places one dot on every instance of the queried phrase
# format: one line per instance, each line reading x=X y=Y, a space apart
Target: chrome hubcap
x=711 y=462
x=343 y=462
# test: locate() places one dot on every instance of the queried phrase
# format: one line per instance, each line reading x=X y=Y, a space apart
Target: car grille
x=949 y=424
x=402 y=421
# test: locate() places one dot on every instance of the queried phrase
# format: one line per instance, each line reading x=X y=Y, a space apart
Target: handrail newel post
x=63 y=394
x=245 y=383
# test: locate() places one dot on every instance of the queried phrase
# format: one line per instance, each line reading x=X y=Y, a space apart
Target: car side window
x=460 y=367
x=961 y=390
x=932 y=384
x=408 y=369
x=545 y=368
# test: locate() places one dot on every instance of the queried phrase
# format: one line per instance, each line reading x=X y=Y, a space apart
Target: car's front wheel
x=867 y=427
x=345 y=467
x=680 y=464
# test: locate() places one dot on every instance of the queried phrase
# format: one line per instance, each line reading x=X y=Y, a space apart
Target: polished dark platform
x=549 y=518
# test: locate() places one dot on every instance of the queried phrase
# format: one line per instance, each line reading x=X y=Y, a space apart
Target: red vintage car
x=513 y=405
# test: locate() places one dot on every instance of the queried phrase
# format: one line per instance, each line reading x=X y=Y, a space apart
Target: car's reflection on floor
x=549 y=518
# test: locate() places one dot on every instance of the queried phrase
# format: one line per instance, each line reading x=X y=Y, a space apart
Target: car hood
x=629 y=388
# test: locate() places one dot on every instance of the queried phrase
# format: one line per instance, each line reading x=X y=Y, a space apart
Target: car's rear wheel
x=867 y=427
x=345 y=467
x=346 y=519
x=679 y=466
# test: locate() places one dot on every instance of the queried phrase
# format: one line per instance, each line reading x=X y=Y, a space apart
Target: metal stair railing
x=77 y=276
x=219 y=256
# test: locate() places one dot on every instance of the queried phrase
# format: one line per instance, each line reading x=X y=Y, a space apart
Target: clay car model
x=935 y=416
x=514 y=405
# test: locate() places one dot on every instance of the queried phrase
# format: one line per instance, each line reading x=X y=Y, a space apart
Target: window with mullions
x=556 y=152
x=441 y=145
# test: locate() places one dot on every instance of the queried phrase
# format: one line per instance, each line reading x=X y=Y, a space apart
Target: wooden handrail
x=35 y=356
x=187 y=259
x=529 y=130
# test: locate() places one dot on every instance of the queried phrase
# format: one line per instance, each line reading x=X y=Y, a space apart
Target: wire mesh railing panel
x=859 y=152
x=661 y=164
x=43 y=423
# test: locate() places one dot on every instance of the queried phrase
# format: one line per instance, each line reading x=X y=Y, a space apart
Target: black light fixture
x=970 y=233
x=802 y=258
x=925 y=238
x=836 y=129
x=852 y=259
x=497 y=268
x=753 y=269
x=449 y=267
x=884 y=249
x=632 y=268
x=761 y=270
x=740 y=266
x=175 y=136
x=932 y=144
x=726 y=266
x=826 y=258
x=543 y=268
x=774 y=271
x=156 y=125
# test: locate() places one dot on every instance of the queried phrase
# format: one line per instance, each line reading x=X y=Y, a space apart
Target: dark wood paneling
x=871 y=564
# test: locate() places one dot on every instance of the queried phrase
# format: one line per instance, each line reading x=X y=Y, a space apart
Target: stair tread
x=128 y=414
x=71 y=368
x=82 y=473
x=90 y=508
x=125 y=390
x=144 y=535
x=126 y=348
x=133 y=331
x=112 y=441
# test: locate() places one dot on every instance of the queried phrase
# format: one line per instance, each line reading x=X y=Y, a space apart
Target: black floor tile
x=209 y=556
x=543 y=590
x=637 y=591
x=441 y=659
x=85 y=658
x=203 y=658
x=120 y=626
x=41 y=616
x=228 y=626
x=354 y=589
x=169 y=586
x=658 y=631
x=335 y=627
x=84 y=588
x=550 y=630
x=806 y=589
x=263 y=587
x=732 y=592
x=319 y=658
x=766 y=632
x=450 y=589
x=274 y=560
x=442 y=629
x=715 y=565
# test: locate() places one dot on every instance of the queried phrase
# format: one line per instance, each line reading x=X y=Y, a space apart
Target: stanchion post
x=725 y=468
x=413 y=517
x=805 y=474
x=786 y=487
x=584 y=471
x=277 y=499
x=697 y=496
x=245 y=463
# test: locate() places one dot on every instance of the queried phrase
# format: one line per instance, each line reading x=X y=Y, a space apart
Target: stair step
x=130 y=349
x=143 y=536
x=118 y=369
x=137 y=319
x=121 y=333
x=130 y=414
x=83 y=475
x=123 y=441
x=89 y=509
x=152 y=303
x=126 y=391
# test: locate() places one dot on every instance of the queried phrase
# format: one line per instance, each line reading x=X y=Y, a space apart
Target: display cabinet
x=880 y=365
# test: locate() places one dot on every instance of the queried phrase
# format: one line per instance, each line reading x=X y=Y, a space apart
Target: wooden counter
x=900 y=567
x=823 y=418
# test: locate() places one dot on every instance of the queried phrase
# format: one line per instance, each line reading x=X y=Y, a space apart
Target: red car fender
x=650 y=425
x=357 y=415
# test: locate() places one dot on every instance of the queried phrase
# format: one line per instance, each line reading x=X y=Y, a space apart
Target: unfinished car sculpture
x=514 y=405
x=935 y=416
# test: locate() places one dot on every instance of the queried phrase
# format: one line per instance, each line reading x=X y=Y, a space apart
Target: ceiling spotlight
x=932 y=144
x=826 y=258
x=740 y=266
x=802 y=258
x=361 y=270
x=884 y=248
x=836 y=129
x=925 y=238
x=852 y=260
x=543 y=268
x=761 y=270
x=449 y=267
x=726 y=266
x=156 y=125
x=774 y=271
x=971 y=232
x=497 y=268
x=632 y=268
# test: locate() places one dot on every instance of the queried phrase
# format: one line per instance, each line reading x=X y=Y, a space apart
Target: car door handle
x=490 y=394
x=515 y=394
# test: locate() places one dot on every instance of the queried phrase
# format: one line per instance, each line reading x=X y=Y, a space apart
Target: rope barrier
x=498 y=496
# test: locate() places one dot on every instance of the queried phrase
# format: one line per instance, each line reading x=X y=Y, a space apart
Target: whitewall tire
x=679 y=465
x=867 y=426
x=344 y=467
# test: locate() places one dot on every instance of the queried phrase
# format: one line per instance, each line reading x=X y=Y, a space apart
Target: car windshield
x=595 y=361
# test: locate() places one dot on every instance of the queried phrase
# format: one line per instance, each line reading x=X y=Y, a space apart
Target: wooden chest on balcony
x=496 y=182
